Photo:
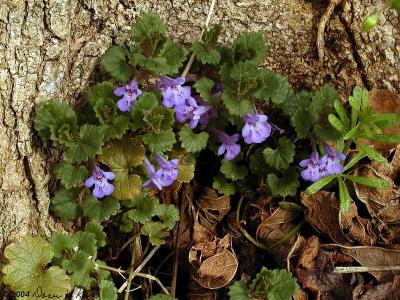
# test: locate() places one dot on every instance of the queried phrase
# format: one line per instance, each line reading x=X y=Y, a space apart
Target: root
x=322 y=25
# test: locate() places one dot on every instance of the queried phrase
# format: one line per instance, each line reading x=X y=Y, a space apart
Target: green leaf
x=344 y=196
x=116 y=129
x=114 y=62
x=223 y=186
x=238 y=291
x=206 y=55
x=90 y=143
x=274 y=284
x=103 y=91
x=284 y=186
x=386 y=138
x=159 y=142
x=235 y=107
x=372 y=153
x=156 y=231
x=368 y=181
x=211 y=34
x=144 y=208
x=61 y=242
x=232 y=170
x=323 y=98
x=100 y=210
x=162 y=297
x=108 y=291
x=191 y=141
x=120 y=156
x=99 y=234
x=337 y=124
x=273 y=86
x=341 y=113
x=79 y=268
x=63 y=204
x=303 y=120
x=290 y=206
x=26 y=269
x=282 y=156
x=354 y=160
x=316 y=186
x=56 y=120
x=203 y=86
x=185 y=172
x=70 y=175
x=160 y=118
x=169 y=214
x=86 y=242
x=148 y=26
x=250 y=46
x=258 y=165
x=175 y=56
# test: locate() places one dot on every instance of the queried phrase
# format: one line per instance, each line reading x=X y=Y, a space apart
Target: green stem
x=245 y=233
x=289 y=235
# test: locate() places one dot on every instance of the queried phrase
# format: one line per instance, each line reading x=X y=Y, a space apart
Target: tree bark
x=49 y=49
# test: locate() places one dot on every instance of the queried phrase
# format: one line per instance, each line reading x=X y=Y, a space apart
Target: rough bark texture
x=49 y=49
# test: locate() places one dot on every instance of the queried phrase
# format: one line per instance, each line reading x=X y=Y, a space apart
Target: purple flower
x=174 y=94
x=256 y=129
x=315 y=167
x=190 y=111
x=164 y=176
x=129 y=94
x=229 y=144
x=331 y=160
x=155 y=180
x=205 y=118
x=168 y=168
x=100 y=179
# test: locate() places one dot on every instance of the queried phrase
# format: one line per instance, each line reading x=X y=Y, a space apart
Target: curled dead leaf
x=322 y=212
x=214 y=262
x=212 y=206
x=273 y=229
x=383 y=204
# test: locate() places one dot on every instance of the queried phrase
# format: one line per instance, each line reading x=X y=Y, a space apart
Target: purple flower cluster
x=256 y=128
x=317 y=168
x=100 y=179
x=178 y=97
x=129 y=93
x=164 y=176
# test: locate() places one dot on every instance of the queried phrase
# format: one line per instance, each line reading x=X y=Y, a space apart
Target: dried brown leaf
x=314 y=272
x=374 y=256
x=273 y=229
x=387 y=291
x=383 y=204
x=322 y=212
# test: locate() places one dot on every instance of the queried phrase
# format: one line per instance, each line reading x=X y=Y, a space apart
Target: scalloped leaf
x=232 y=170
x=100 y=210
x=191 y=141
x=120 y=156
x=159 y=142
x=79 y=268
x=63 y=204
x=282 y=156
x=71 y=175
x=114 y=62
x=283 y=186
x=26 y=270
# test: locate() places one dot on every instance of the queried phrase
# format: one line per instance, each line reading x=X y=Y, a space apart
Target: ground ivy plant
x=145 y=128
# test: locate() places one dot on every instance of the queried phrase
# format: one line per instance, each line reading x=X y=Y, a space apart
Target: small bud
x=395 y=4
x=369 y=22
